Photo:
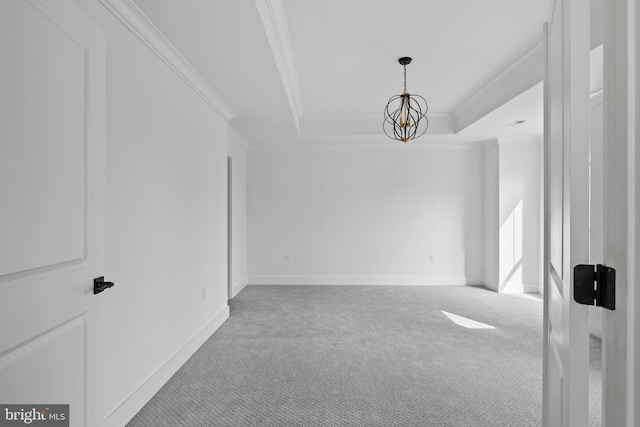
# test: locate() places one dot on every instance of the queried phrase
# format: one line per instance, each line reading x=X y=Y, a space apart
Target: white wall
x=512 y=212
x=237 y=151
x=491 y=185
x=371 y=217
x=519 y=215
x=165 y=220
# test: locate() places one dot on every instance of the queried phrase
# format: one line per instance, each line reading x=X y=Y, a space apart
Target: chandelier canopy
x=405 y=115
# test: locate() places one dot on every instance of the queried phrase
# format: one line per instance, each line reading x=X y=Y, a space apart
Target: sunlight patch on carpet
x=466 y=323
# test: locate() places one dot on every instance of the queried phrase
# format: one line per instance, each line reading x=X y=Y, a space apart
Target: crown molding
x=238 y=138
x=366 y=124
x=519 y=140
x=511 y=140
x=441 y=124
x=275 y=26
x=522 y=75
x=490 y=143
x=140 y=26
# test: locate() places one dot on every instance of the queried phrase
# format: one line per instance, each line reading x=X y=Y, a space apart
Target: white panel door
x=566 y=349
x=52 y=203
x=621 y=162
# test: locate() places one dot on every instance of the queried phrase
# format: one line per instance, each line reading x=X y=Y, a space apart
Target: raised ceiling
x=319 y=72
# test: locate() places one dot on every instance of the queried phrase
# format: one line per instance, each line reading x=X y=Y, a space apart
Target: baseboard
x=132 y=404
x=363 y=280
x=238 y=286
x=491 y=285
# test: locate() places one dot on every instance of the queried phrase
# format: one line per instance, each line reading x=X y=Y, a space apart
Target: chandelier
x=405 y=115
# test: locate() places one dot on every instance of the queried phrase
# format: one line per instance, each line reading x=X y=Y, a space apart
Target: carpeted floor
x=361 y=356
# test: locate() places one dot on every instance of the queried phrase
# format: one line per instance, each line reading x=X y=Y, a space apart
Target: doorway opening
x=229 y=229
x=596 y=225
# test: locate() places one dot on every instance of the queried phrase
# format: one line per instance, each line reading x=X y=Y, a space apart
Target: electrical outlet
x=204 y=293
x=432 y=258
x=287 y=258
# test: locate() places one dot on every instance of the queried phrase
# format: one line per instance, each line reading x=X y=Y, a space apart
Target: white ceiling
x=320 y=72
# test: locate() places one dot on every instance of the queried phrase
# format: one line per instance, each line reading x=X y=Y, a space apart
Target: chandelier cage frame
x=405 y=114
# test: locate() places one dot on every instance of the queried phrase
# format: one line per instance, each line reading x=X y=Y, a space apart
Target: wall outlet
x=432 y=258
x=287 y=258
x=204 y=293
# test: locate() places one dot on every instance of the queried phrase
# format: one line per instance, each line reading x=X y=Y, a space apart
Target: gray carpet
x=361 y=356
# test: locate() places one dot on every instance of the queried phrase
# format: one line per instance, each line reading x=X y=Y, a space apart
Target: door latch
x=595 y=285
x=100 y=285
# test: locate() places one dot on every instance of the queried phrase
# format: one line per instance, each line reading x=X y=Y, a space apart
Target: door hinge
x=100 y=285
x=595 y=285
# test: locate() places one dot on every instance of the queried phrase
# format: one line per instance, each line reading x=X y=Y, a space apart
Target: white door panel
x=52 y=203
x=23 y=368
x=621 y=148
x=567 y=212
x=42 y=177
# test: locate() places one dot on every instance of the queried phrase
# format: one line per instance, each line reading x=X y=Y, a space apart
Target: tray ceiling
x=318 y=72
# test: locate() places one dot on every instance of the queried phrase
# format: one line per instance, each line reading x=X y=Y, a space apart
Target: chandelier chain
x=405 y=78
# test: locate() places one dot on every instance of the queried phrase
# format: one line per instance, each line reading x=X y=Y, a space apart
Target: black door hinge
x=100 y=285
x=595 y=285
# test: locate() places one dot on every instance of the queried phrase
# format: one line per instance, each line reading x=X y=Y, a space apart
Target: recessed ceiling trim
x=275 y=26
x=457 y=146
x=522 y=75
x=140 y=26
x=365 y=124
